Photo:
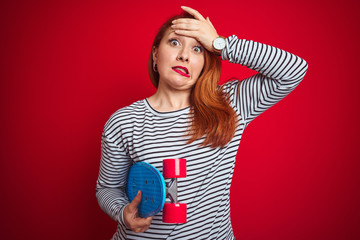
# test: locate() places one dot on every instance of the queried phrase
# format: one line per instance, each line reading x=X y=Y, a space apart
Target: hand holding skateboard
x=131 y=216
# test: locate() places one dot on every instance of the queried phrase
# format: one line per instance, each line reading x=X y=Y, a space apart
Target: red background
x=67 y=66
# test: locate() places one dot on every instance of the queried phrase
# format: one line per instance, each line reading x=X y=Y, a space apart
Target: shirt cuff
x=226 y=50
x=121 y=216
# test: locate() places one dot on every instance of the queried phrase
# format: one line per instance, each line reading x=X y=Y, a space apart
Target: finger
x=185 y=26
x=186 y=33
x=137 y=199
x=208 y=19
x=140 y=223
x=193 y=12
x=141 y=230
x=149 y=220
x=144 y=221
x=189 y=21
x=144 y=229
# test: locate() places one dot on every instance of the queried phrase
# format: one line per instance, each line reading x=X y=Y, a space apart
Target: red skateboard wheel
x=174 y=168
x=174 y=213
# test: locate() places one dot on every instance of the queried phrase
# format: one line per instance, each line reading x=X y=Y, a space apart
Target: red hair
x=211 y=113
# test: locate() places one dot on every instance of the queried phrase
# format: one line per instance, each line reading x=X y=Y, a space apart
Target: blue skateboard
x=143 y=176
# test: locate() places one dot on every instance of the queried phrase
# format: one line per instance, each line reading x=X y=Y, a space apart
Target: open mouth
x=181 y=70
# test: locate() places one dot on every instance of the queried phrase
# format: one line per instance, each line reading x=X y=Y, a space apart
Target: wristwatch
x=219 y=44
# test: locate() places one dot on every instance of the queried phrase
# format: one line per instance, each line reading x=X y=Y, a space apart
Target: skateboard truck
x=173 y=211
x=171 y=190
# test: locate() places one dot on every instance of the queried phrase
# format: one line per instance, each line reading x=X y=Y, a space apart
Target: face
x=179 y=60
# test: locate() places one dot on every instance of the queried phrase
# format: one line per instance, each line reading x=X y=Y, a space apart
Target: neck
x=165 y=99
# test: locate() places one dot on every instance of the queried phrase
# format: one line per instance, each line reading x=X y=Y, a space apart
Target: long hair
x=211 y=113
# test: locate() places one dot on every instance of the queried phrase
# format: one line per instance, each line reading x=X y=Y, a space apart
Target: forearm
x=112 y=201
x=270 y=61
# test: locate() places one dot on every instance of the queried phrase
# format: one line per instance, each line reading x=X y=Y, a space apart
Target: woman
x=191 y=117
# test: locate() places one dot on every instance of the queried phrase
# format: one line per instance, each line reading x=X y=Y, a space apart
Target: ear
x=155 y=53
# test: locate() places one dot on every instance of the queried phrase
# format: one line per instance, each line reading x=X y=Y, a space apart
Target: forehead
x=171 y=33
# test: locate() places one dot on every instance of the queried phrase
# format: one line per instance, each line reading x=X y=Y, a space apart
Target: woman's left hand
x=199 y=28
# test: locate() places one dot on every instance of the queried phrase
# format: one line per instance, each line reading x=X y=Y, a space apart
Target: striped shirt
x=140 y=133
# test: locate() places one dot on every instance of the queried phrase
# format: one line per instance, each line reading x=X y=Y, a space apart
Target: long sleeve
x=111 y=183
x=279 y=73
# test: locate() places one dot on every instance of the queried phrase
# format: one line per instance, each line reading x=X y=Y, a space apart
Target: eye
x=198 y=49
x=174 y=42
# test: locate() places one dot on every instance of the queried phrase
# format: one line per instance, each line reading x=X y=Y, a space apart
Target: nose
x=183 y=55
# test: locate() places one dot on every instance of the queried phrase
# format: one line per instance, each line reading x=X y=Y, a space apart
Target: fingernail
x=174 y=21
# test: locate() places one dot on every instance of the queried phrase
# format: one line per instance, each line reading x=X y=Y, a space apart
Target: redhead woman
x=191 y=116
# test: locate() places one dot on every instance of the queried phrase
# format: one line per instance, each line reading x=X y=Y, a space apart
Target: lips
x=181 y=70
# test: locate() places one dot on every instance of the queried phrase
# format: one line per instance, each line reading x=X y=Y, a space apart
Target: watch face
x=219 y=43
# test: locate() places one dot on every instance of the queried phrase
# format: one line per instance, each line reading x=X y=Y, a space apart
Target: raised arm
x=279 y=73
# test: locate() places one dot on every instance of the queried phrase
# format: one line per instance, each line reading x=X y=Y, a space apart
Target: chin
x=181 y=86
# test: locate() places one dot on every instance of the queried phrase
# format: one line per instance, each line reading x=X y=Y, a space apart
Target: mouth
x=181 y=70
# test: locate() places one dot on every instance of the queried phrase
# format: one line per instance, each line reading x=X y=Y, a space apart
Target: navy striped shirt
x=140 y=133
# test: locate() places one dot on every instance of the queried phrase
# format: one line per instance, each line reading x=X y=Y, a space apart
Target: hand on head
x=132 y=219
x=199 y=28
